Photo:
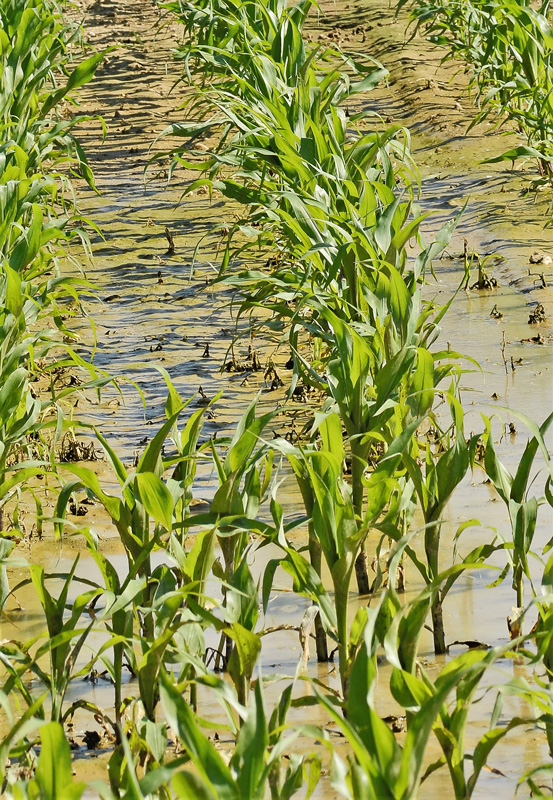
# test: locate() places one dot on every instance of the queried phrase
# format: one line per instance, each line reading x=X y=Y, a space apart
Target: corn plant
x=152 y=513
x=256 y=765
x=145 y=500
x=65 y=638
x=243 y=486
x=53 y=778
x=36 y=52
x=509 y=47
x=216 y=31
x=335 y=533
x=35 y=46
x=378 y=766
x=19 y=736
x=522 y=508
x=541 y=696
x=117 y=616
x=444 y=468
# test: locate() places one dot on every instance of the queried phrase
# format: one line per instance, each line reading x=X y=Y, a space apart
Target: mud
x=154 y=309
x=150 y=307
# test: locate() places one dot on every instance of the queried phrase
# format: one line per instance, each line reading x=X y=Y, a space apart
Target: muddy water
x=152 y=309
x=281 y=653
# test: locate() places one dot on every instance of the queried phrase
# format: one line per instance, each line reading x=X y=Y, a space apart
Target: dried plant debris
x=171 y=242
x=71 y=449
x=539 y=278
x=252 y=363
x=540 y=258
x=397 y=724
x=537 y=315
x=303 y=393
x=471 y=644
x=78 y=510
x=92 y=739
x=272 y=375
x=485 y=281
x=537 y=339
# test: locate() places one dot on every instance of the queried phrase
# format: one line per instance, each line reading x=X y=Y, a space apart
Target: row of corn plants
x=38 y=223
x=38 y=219
x=331 y=203
x=160 y=625
x=509 y=47
x=336 y=206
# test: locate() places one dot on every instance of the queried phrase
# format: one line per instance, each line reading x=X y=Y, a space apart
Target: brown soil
x=142 y=322
x=152 y=305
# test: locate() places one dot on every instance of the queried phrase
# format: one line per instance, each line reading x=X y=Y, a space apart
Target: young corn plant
x=443 y=469
x=53 y=777
x=119 y=597
x=335 y=533
x=35 y=50
x=66 y=637
x=18 y=739
x=35 y=211
x=256 y=768
x=244 y=474
x=153 y=513
x=142 y=514
x=378 y=766
x=463 y=675
x=541 y=696
x=509 y=47
x=217 y=31
x=522 y=507
x=379 y=378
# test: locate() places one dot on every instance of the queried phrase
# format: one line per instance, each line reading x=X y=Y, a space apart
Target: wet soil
x=154 y=309
x=151 y=307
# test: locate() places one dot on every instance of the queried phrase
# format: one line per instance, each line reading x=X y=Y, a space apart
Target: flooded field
x=153 y=307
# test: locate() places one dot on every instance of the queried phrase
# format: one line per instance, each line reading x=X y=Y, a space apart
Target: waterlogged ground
x=151 y=308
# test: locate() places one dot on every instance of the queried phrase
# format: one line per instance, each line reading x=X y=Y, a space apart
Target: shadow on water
x=154 y=310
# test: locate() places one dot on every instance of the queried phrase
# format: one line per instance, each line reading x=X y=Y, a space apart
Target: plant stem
x=362 y=572
x=357 y=488
x=341 y=600
x=438 y=626
x=432 y=548
x=315 y=556
x=117 y=676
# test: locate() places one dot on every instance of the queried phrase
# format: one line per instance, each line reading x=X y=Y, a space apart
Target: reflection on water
x=155 y=310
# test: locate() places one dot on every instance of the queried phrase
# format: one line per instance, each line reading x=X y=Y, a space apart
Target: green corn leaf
x=53 y=776
x=215 y=774
x=522 y=151
x=156 y=497
x=80 y=75
x=191 y=787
